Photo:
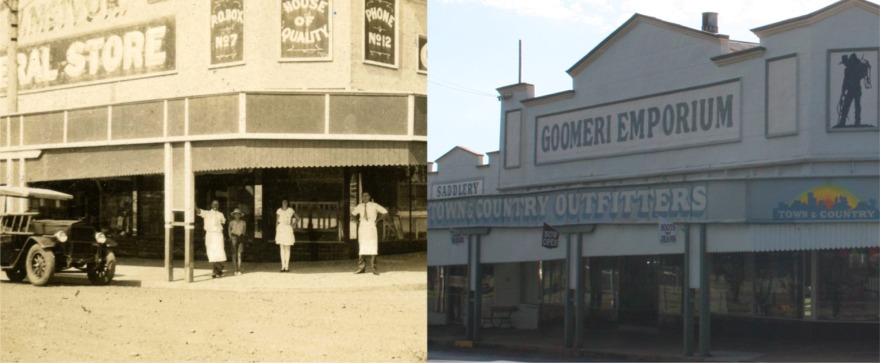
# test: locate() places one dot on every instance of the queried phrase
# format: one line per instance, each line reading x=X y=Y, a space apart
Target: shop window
x=669 y=283
x=487 y=284
x=436 y=289
x=777 y=284
x=118 y=207
x=604 y=279
x=848 y=284
x=316 y=194
x=552 y=275
x=457 y=289
x=530 y=282
x=150 y=212
x=553 y=289
x=403 y=192
x=732 y=290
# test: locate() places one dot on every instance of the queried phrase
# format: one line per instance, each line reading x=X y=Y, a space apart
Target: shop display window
x=553 y=289
x=848 y=284
x=487 y=284
x=150 y=213
x=669 y=283
x=316 y=194
x=732 y=289
x=603 y=278
x=436 y=289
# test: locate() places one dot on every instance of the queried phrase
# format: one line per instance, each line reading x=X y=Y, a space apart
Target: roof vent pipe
x=710 y=22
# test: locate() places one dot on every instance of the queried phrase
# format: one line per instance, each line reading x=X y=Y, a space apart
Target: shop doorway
x=456 y=303
x=638 y=291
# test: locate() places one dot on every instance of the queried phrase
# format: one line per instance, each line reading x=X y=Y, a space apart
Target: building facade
x=682 y=163
x=147 y=109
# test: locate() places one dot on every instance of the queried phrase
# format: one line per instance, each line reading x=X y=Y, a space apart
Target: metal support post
x=704 y=295
x=579 y=292
x=169 y=214
x=687 y=301
x=469 y=325
x=189 y=215
x=478 y=290
x=569 y=326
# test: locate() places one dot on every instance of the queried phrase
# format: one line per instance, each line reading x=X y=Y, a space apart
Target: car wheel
x=16 y=274
x=40 y=265
x=103 y=273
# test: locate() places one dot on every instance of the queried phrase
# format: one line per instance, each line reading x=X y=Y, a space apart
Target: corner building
x=681 y=163
x=146 y=109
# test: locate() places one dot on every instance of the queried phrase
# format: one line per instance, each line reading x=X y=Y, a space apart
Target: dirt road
x=319 y=311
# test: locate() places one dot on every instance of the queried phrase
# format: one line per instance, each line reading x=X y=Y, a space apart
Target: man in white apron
x=214 y=221
x=368 y=235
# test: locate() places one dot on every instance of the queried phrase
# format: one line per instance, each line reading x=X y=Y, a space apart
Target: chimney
x=710 y=22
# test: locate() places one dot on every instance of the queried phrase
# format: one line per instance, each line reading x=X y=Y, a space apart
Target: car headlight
x=100 y=237
x=61 y=236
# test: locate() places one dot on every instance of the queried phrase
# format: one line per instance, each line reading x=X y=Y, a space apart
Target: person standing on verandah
x=368 y=236
x=286 y=219
x=214 y=243
x=237 y=234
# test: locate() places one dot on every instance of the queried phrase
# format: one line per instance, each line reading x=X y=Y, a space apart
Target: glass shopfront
x=780 y=284
x=848 y=284
x=132 y=208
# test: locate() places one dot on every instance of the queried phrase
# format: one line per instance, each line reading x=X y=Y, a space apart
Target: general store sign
x=570 y=207
x=134 y=50
x=55 y=17
x=685 y=118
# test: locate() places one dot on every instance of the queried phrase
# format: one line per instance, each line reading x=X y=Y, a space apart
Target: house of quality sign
x=691 y=117
x=305 y=29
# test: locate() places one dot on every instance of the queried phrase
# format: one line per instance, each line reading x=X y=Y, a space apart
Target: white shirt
x=214 y=220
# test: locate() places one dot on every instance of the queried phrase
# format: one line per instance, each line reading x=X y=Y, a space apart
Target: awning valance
x=245 y=154
x=95 y=162
x=127 y=160
x=791 y=237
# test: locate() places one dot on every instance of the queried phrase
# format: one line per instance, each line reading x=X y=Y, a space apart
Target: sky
x=474 y=50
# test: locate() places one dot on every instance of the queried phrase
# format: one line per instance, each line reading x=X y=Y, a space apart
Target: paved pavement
x=634 y=345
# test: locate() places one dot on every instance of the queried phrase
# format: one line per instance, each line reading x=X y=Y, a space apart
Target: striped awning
x=791 y=237
x=128 y=160
x=95 y=162
x=244 y=154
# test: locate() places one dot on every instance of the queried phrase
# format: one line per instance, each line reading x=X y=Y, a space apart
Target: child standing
x=237 y=230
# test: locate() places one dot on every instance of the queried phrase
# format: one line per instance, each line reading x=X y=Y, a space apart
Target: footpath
x=400 y=272
x=652 y=346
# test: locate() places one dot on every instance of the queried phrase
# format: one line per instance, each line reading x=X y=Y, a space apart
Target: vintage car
x=38 y=248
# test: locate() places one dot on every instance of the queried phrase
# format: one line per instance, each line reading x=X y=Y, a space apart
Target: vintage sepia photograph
x=213 y=180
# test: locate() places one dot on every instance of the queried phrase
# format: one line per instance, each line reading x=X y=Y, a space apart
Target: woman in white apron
x=286 y=219
x=368 y=235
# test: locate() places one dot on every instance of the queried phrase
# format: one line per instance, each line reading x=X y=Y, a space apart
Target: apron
x=214 y=246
